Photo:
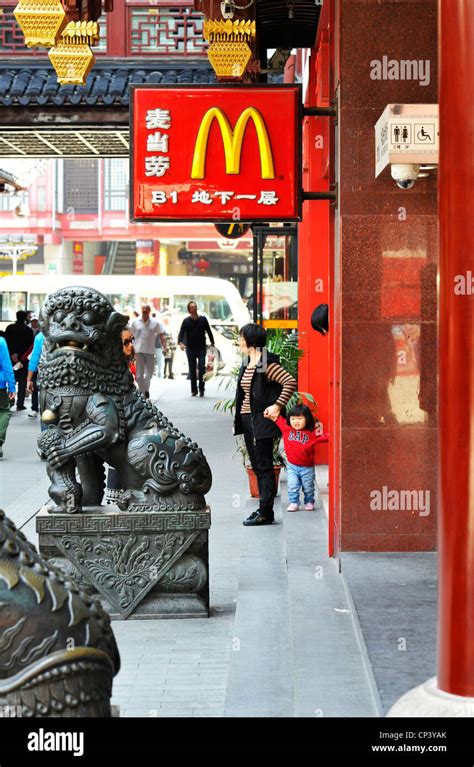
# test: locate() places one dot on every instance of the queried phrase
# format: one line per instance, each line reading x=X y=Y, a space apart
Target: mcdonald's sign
x=216 y=153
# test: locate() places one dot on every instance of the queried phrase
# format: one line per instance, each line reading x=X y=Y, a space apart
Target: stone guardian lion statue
x=95 y=415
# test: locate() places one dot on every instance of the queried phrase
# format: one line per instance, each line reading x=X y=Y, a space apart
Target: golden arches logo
x=233 y=140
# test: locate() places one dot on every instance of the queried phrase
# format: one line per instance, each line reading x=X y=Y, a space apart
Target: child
x=300 y=440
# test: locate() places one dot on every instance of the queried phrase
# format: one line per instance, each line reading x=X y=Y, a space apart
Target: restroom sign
x=407 y=133
x=216 y=153
x=413 y=135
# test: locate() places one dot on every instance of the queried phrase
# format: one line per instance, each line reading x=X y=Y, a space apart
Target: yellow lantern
x=72 y=57
x=229 y=52
x=229 y=59
x=41 y=21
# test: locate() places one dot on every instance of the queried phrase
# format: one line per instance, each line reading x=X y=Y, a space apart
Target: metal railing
x=109 y=263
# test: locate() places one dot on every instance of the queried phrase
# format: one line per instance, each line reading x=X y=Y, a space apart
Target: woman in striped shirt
x=263 y=389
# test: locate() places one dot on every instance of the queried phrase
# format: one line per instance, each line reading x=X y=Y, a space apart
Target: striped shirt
x=274 y=372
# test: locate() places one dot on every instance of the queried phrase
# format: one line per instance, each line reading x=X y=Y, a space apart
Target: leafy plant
x=285 y=344
x=228 y=383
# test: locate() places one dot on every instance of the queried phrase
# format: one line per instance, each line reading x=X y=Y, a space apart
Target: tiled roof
x=28 y=83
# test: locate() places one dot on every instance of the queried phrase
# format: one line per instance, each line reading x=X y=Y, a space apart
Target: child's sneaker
x=293 y=507
x=309 y=506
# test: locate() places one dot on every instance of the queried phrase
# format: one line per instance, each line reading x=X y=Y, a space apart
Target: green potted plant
x=286 y=346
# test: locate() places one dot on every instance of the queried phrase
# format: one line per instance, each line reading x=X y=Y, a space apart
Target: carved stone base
x=141 y=564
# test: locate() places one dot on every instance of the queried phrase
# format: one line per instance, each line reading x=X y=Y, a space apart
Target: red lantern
x=202 y=265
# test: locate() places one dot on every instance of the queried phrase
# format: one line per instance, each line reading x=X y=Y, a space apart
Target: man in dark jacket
x=263 y=390
x=192 y=337
x=19 y=337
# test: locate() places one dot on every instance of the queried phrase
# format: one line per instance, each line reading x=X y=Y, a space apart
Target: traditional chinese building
x=374 y=375
x=77 y=204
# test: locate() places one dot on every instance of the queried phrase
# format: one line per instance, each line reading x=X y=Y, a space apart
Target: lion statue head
x=82 y=342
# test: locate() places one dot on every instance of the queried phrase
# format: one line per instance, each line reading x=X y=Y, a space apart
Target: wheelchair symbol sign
x=424 y=133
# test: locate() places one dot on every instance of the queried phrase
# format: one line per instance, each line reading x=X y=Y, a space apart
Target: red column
x=117 y=30
x=456 y=320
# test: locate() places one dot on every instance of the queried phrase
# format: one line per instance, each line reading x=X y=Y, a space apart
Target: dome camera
x=405 y=174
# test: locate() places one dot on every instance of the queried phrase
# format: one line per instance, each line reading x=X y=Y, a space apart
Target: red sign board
x=77 y=258
x=216 y=153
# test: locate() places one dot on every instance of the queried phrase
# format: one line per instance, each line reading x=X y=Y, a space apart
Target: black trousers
x=168 y=367
x=261 y=459
x=21 y=376
x=34 y=396
x=196 y=357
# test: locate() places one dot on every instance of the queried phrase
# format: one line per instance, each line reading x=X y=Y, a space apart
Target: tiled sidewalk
x=278 y=641
x=169 y=667
x=180 y=667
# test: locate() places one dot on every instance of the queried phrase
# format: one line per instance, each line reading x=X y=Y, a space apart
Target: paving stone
x=297 y=654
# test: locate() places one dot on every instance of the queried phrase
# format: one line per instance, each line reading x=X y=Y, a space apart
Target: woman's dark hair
x=320 y=319
x=304 y=411
x=254 y=335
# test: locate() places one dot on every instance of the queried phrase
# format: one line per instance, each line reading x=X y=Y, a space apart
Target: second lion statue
x=95 y=415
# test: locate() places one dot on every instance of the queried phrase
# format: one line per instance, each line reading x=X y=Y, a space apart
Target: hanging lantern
x=203 y=265
x=72 y=57
x=41 y=21
x=229 y=52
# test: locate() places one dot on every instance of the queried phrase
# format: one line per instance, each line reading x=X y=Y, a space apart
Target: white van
x=219 y=300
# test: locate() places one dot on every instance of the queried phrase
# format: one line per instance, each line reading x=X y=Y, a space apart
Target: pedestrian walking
x=19 y=338
x=32 y=375
x=160 y=357
x=169 y=356
x=129 y=350
x=114 y=487
x=192 y=338
x=33 y=322
x=300 y=440
x=7 y=390
x=145 y=330
x=263 y=389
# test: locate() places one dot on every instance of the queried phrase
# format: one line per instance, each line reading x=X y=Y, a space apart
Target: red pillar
x=117 y=30
x=456 y=321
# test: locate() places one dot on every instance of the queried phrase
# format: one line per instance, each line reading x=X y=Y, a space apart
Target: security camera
x=405 y=174
x=227 y=9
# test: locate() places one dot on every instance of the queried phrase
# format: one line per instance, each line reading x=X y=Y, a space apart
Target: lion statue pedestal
x=142 y=564
x=147 y=556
